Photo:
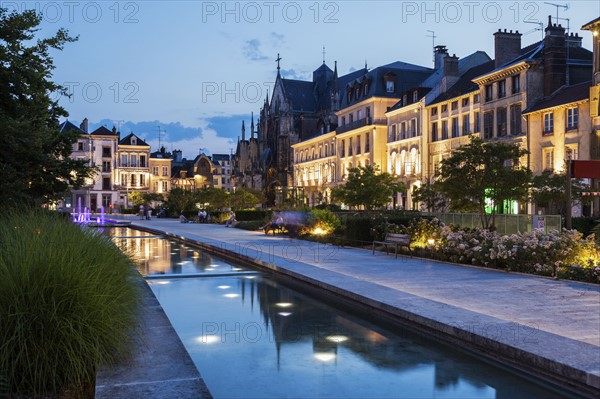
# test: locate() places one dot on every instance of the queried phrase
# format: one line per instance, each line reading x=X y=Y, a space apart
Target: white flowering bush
x=562 y=254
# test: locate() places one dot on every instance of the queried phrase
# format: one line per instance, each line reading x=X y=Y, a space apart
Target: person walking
x=142 y=213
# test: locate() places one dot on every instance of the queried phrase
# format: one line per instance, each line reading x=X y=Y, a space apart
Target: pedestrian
x=231 y=221
x=142 y=213
x=149 y=213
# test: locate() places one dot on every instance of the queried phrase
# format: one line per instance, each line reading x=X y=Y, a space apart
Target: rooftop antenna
x=323 y=54
x=540 y=27
x=119 y=125
x=432 y=36
x=563 y=6
x=160 y=130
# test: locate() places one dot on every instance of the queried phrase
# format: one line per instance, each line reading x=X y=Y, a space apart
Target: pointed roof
x=67 y=126
x=127 y=141
x=103 y=131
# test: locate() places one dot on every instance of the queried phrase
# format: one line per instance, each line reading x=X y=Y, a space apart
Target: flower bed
x=563 y=254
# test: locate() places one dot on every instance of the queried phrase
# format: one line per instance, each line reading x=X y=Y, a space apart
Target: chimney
x=507 y=47
x=450 y=72
x=84 y=125
x=439 y=53
x=573 y=40
x=555 y=58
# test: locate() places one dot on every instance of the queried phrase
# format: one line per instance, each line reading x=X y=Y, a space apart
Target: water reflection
x=156 y=255
x=257 y=338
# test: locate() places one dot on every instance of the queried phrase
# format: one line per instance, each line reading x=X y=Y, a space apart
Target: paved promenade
x=533 y=323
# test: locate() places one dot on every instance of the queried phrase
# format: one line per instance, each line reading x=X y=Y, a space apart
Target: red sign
x=585 y=169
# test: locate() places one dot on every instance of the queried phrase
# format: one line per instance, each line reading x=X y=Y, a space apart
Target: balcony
x=360 y=123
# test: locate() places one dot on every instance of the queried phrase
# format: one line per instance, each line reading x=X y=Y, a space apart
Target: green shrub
x=247 y=215
x=249 y=225
x=69 y=304
x=325 y=220
x=584 y=225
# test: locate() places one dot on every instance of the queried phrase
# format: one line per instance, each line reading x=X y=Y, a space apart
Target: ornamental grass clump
x=69 y=304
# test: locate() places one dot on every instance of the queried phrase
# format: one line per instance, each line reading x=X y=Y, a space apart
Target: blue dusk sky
x=198 y=68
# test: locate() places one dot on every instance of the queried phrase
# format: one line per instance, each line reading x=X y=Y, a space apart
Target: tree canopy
x=34 y=155
x=480 y=174
x=367 y=187
x=548 y=191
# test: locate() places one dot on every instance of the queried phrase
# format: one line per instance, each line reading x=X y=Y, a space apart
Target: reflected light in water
x=337 y=338
x=236 y=269
x=224 y=287
x=283 y=304
x=324 y=356
x=210 y=269
x=207 y=339
x=162 y=282
x=284 y=314
x=231 y=295
x=250 y=277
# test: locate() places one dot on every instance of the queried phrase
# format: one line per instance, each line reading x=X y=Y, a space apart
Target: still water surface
x=253 y=337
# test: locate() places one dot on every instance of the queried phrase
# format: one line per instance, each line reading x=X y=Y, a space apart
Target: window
x=106 y=200
x=105 y=166
x=476 y=98
x=549 y=159
x=367 y=144
x=502 y=88
x=368 y=112
x=142 y=161
x=454 y=105
x=106 y=153
x=343 y=120
x=415 y=96
x=142 y=180
x=358 y=145
x=123 y=159
x=516 y=84
x=444 y=108
x=350 y=146
x=444 y=130
x=477 y=125
x=343 y=149
x=405 y=100
x=501 y=125
x=465 y=102
x=434 y=111
x=434 y=132
x=489 y=90
x=393 y=134
x=155 y=170
x=133 y=161
x=365 y=90
x=402 y=130
x=455 y=127
x=515 y=119
x=571 y=153
x=106 y=183
x=389 y=86
x=80 y=146
x=572 y=118
x=133 y=180
x=351 y=118
x=488 y=124
x=165 y=186
x=548 y=123
x=413 y=128
x=465 y=125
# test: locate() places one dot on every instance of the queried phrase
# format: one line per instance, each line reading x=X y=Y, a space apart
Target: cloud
x=277 y=39
x=352 y=69
x=251 y=50
x=217 y=135
x=292 y=74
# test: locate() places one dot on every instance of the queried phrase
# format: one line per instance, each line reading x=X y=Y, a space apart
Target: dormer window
x=389 y=86
x=415 y=96
x=357 y=93
x=133 y=140
x=405 y=100
x=365 y=90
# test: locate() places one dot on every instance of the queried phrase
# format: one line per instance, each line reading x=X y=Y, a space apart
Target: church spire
x=252 y=127
x=335 y=73
x=278 y=67
x=243 y=131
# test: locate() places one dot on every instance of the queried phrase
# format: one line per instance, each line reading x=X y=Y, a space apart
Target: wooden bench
x=398 y=240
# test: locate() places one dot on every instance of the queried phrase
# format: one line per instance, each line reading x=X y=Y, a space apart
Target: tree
x=367 y=187
x=548 y=191
x=138 y=198
x=211 y=198
x=246 y=198
x=181 y=200
x=482 y=173
x=34 y=155
x=430 y=197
